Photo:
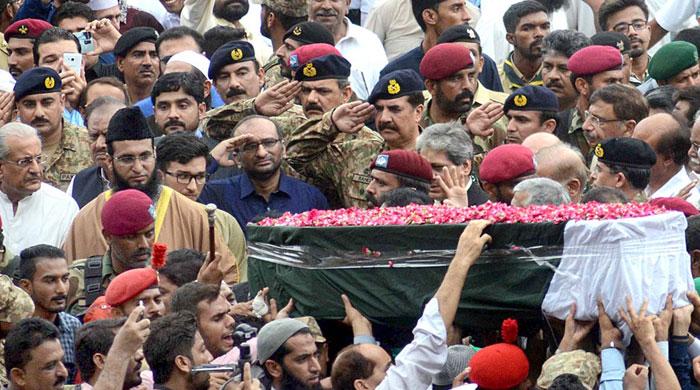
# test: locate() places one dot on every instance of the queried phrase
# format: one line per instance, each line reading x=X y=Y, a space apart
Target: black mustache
x=174 y=123
x=387 y=126
x=234 y=92
x=313 y=106
x=326 y=13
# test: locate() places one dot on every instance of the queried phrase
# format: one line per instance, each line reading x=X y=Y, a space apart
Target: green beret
x=671 y=59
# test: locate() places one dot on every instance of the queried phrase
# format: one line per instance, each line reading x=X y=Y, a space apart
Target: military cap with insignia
x=128 y=124
x=395 y=84
x=625 y=151
x=36 y=81
x=532 y=98
x=304 y=54
x=293 y=8
x=613 y=39
x=459 y=33
x=231 y=53
x=444 y=60
x=671 y=59
x=324 y=68
x=309 y=32
x=406 y=163
x=133 y=37
x=26 y=28
x=595 y=59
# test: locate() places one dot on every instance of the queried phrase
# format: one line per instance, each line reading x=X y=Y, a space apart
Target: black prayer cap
x=128 y=124
x=35 y=81
x=310 y=32
x=230 y=53
x=395 y=84
x=625 y=151
x=133 y=37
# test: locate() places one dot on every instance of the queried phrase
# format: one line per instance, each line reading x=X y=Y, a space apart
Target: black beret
x=133 y=37
x=625 y=151
x=459 y=33
x=230 y=53
x=323 y=68
x=128 y=124
x=532 y=98
x=395 y=84
x=37 y=80
x=614 y=39
x=309 y=32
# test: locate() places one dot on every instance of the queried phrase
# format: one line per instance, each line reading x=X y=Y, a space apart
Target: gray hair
x=541 y=191
x=14 y=129
x=101 y=104
x=451 y=138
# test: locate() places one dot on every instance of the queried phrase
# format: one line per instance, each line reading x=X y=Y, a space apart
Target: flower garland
x=496 y=212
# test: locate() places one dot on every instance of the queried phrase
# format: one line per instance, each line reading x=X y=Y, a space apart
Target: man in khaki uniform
x=65 y=147
x=15 y=305
x=338 y=149
x=278 y=18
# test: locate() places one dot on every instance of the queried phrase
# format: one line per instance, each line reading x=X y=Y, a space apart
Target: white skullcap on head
x=99 y=5
x=195 y=59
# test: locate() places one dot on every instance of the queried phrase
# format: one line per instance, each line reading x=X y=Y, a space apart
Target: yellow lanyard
x=161 y=207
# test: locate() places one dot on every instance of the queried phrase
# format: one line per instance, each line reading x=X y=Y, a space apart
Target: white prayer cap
x=99 y=5
x=193 y=58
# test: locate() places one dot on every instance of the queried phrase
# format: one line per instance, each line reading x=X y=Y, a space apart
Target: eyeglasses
x=597 y=121
x=253 y=147
x=637 y=25
x=131 y=160
x=186 y=178
x=26 y=162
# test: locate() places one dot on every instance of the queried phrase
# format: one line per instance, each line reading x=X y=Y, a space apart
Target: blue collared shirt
x=236 y=195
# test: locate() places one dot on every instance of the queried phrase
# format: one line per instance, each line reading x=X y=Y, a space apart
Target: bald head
x=539 y=141
x=564 y=165
x=365 y=363
x=651 y=128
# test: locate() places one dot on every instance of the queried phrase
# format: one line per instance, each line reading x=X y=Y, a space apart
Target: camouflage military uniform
x=70 y=157
x=219 y=123
x=585 y=365
x=273 y=72
x=337 y=162
x=15 y=305
x=481 y=97
x=76 y=279
x=575 y=134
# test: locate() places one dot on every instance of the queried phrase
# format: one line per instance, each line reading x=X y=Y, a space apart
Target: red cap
x=26 y=28
x=404 y=163
x=507 y=162
x=99 y=310
x=129 y=284
x=304 y=54
x=444 y=60
x=499 y=366
x=127 y=212
x=676 y=204
x=595 y=59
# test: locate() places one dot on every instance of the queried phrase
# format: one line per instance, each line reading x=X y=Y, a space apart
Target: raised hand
x=351 y=117
x=574 y=331
x=472 y=242
x=223 y=151
x=453 y=182
x=105 y=36
x=360 y=324
x=210 y=273
x=480 y=120
x=663 y=320
x=277 y=99
x=636 y=377
x=610 y=335
x=640 y=322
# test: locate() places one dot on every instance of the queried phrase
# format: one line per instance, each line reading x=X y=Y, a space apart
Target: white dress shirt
x=43 y=217
x=419 y=361
x=365 y=53
x=674 y=185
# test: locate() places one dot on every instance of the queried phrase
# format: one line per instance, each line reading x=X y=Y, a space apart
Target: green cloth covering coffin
x=390 y=272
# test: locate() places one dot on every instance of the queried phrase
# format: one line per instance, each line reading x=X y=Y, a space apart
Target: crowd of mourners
x=123 y=121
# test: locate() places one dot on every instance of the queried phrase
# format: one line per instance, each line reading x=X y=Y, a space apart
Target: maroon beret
x=129 y=284
x=26 y=28
x=507 y=162
x=676 y=204
x=444 y=60
x=595 y=59
x=127 y=212
x=405 y=163
x=304 y=54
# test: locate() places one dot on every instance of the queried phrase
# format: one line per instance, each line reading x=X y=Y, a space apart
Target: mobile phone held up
x=87 y=44
x=73 y=61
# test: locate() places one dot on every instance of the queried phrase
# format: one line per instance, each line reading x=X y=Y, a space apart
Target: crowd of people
x=123 y=121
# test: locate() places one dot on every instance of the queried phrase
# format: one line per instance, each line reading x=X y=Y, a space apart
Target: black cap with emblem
x=307 y=33
x=625 y=151
x=36 y=81
x=395 y=84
